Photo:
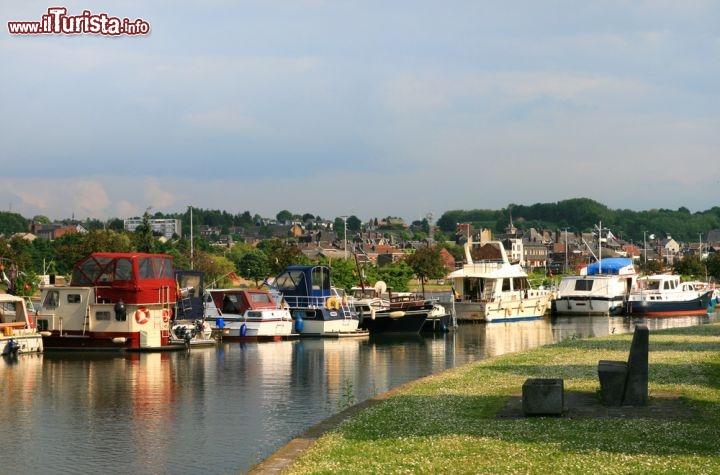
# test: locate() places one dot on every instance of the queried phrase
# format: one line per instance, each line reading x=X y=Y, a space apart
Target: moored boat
x=493 y=289
x=247 y=314
x=115 y=301
x=382 y=311
x=601 y=288
x=18 y=333
x=192 y=334
x=665 y=295
x=316 y=308
x=439 y=319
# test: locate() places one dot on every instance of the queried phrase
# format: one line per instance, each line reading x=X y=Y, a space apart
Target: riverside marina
x=222 y=409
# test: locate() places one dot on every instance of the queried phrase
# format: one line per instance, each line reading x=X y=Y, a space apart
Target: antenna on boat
x=600 y=229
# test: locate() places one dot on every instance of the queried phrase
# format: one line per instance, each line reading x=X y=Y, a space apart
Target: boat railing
x=318 y=302
x=483 y=266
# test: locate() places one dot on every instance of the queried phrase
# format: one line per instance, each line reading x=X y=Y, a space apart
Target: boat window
x=473 y=288
x=52 y=298
x=320 y=278
x=123 y=269
x=145 y=268
x=505 y=285
x=163 y=267
x=289 y=280
x=650 y=284
x=520 y=283
x=7 y=312
x=260 y=298
x=229 y=302
x=584 y=284
x=73 y=298
x=102 y=315
x=168 y=269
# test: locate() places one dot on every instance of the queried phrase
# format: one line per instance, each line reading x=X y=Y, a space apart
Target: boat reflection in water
x=222 y=409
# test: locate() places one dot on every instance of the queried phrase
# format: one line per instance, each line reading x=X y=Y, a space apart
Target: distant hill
x=582 y=214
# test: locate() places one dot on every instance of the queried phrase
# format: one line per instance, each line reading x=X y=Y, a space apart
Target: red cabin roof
x=132 y=277
x=241 y=300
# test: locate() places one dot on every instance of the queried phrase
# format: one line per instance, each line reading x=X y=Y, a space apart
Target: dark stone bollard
x=636 y=386
x=626 y=383
x=543 y=397
x=613 y=375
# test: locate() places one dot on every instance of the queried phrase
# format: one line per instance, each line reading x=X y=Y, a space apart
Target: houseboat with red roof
x=115 y=301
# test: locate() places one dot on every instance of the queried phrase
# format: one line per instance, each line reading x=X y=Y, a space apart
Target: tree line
x=582 y=214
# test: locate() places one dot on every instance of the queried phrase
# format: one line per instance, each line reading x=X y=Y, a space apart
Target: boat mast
x=600 y=229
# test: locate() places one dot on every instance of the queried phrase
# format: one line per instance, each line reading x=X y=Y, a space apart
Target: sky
x=366 y=108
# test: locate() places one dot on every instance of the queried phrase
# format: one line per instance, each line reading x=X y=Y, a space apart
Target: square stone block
x=543 y=397
x=612 y=375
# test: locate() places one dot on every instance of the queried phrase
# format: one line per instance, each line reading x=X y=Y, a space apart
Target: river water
x=220 y=410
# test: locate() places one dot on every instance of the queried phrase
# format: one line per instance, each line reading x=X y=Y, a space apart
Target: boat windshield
x=650 y=284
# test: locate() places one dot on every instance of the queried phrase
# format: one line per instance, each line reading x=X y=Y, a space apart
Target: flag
x=233 y=277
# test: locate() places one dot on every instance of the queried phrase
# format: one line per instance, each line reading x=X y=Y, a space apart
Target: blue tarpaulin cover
x=611 y=265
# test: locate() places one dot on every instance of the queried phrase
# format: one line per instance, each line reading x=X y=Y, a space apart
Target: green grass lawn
x=448 y=423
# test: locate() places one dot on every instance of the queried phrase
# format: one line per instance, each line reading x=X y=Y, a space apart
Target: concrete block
x=612 y=375
x=543 y=397
x=636 y=386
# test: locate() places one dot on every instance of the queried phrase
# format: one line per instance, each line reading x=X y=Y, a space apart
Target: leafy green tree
x=145 y=241
x=689 y=266
x=215 y=267
x=344 y=272
x=254 y=265
x=397 y=275
x=713 y=265
x=22 y=253
x=426 y=263
x=339 y=228
x=11 y=223
x=280 y=255
x=283 y=216
x=238 y=250
x=116 y=224
x=354 y=223
x=39 y=218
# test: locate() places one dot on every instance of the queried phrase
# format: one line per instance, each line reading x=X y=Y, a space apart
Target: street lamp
x=645 y=246
x=566 y=251
x=344 y=218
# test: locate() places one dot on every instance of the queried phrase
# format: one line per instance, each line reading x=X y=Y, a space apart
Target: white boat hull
x=255 y=330
x=329 y=327
x=508 y=310
x=589 y=306
x=21 y=341
x=593 y=295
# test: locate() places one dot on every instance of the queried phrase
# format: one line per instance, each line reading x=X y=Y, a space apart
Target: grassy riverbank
x=463 y=421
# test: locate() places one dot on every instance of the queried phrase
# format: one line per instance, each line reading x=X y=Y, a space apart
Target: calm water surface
x=220 y=410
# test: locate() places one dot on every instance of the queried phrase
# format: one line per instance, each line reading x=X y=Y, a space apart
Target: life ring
x=142 y=315
x=166 y=315
x=332 y=303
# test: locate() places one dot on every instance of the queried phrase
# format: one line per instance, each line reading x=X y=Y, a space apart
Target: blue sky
x=363 y=108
